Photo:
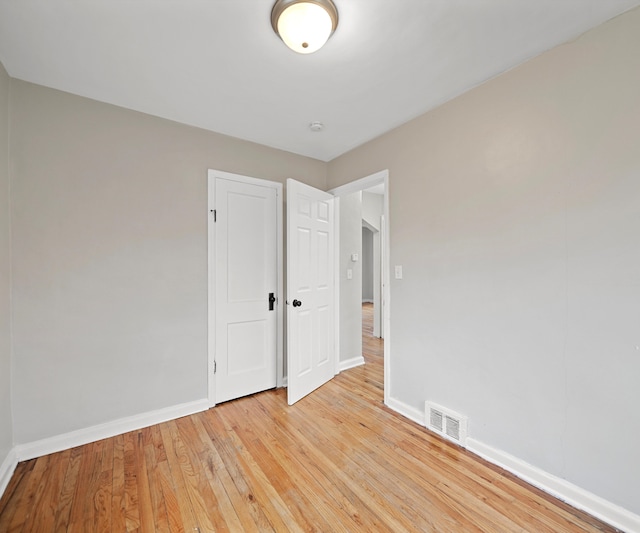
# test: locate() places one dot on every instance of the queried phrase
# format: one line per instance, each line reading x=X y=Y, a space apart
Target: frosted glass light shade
x=304 y=26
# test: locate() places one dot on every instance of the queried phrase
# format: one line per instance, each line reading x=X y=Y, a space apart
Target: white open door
x=310 y=289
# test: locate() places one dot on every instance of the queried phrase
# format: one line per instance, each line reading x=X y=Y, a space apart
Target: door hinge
x=215 y=215
x=215 y=366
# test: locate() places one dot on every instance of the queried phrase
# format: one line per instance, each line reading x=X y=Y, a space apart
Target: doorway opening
x=363 y=273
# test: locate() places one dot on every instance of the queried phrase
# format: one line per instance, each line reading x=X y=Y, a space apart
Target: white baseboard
x=350 y=363
x=406 y=410
x=367 y=301
x=563 y=490
x=106 y=430
x=7 y=468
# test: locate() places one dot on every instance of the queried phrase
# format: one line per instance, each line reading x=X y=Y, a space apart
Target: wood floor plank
x=200 y=494
x=317 y=472
x=145 y=507
x=246 y=521
x=210 y=464
x=82 y=501
x=226 y=449
x=13 y=493
x=68 y=490
x=263 y=491
x=208 y=495
x=338 y=461
x=131 y=510
x=158 y=445
x=283 y=479
x=158 y=506
x=102 y=504
x=103 y=496
x=326 y=495
x=174 y=517
x=24 y=506
x=174 y=473
x=46 y=506
x=118 y=497
x=14 y=486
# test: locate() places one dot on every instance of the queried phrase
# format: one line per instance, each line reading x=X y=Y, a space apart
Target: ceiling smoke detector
x=316 y=126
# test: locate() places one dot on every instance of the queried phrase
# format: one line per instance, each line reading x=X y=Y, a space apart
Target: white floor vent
x=445 y=422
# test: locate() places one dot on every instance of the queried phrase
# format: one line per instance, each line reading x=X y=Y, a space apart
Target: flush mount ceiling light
x=304 y=25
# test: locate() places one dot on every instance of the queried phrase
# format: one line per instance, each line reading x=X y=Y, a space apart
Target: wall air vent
x=435 y=419
x=446 y=423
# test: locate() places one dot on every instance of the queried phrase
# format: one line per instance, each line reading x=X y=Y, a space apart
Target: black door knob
x=296 y=303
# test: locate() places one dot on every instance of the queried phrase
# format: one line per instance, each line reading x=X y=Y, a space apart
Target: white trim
x=211 y=261
x=211 y=295
x=351 y=363
x=336 y=285
x=280 y=302
x=568 y=492
x=367 y=301
x=7 y=469
x=363 y=183
x=386 y=296
x=109 y=429
x=370 y=227
x=406 y=410
x=359 y=185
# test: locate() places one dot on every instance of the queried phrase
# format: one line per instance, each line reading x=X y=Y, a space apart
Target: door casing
x=350 y=188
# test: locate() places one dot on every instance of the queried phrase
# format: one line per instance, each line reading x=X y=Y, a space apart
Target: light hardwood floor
x=336 y=461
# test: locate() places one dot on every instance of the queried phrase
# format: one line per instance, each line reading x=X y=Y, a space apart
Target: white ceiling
x=218 y=65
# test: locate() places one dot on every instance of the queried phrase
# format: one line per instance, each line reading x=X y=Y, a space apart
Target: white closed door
x=245 y=279
x=310 y=289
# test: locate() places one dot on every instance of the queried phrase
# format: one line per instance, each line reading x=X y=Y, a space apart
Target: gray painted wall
x=6 y=426
x=367 y=265
x=110 y=256
x=350 y=289
x=515 y=212
x=372 y=208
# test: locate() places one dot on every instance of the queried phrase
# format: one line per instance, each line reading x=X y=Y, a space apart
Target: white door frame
x=350 y=188
x=211 y=324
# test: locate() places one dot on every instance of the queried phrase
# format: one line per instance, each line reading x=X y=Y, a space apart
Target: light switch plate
x=398 y=272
